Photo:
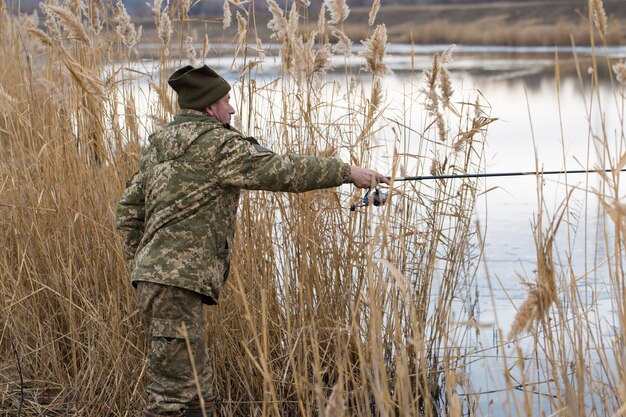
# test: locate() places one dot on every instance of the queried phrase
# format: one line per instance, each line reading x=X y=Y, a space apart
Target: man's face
x=221 y=109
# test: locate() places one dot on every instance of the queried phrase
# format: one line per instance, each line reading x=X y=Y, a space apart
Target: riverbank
x=530 y=23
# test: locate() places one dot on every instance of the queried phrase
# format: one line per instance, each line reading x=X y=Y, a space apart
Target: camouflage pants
x=171 y=383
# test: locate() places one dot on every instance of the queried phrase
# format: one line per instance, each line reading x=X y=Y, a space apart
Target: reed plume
x=338 y=9
x=278 y=23
x=599 y=17
x=445 y=84
x=40 y=35
x=70 y=23
x=242 y=32
x=164 y=26
x=321 y=20
x=620 y=72
x=190 y=51
x=373 y=12
x=227 y=19
x=376 y=97
x=374 y=53
x=186 y=6
x=343 y=45
x=543 y=293
x=51 y=19
x=433 y=101
x=125 y=29
x=323 y=60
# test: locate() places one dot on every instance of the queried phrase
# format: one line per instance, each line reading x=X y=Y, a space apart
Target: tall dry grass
x=325 y=312
x=334 y=317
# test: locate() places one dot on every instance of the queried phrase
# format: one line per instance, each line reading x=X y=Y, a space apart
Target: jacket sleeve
x=130 y=215
x=243 y=163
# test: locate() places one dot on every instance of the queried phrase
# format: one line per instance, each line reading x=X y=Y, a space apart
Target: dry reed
x=599 y=17
x=126 y=30
x=227 y=19
x=338 y=9
x=373 y=12
x=324 y=313
x=620 y=71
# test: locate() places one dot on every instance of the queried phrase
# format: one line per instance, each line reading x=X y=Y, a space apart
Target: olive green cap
x=198 y=88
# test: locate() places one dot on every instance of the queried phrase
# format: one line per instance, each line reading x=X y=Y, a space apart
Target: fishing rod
x=500 y=174
x=379 y=198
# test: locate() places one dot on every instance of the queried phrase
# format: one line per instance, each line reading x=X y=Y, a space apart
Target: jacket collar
x=187 y=115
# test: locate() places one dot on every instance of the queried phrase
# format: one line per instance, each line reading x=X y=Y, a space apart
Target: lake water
x=535 y=126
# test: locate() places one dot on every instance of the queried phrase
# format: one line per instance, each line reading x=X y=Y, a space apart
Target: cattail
x=125 y=29
x=375 y=47
x=343 y=45
x=374 y=12
x=227 y=15
x=71 y=23
x=190 y=51
x=338 y=9
x=620 y=72
x=599 y=17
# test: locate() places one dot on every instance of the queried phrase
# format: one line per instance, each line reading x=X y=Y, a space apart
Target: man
x=177 y=218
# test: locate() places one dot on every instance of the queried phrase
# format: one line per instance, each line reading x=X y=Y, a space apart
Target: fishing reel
x=378 y=199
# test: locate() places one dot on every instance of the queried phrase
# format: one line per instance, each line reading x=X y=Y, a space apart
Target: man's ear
x=209 y=111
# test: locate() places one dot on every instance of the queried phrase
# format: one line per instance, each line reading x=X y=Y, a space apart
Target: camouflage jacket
x=178 y=212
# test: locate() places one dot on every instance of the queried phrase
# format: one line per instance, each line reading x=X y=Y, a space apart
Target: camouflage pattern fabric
x=177 y=214
x=164 y=310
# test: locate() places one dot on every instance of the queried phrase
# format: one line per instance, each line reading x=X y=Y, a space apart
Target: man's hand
x=366 y=178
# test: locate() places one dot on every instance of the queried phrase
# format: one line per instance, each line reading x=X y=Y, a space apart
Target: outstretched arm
x=243 y=163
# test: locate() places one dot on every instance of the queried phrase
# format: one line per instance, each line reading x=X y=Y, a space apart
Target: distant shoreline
x=530 y=23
